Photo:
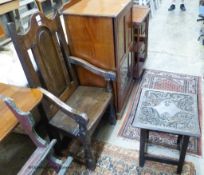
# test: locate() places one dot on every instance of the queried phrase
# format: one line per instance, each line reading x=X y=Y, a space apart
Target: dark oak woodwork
x=182 y=142
x=74 y=110
x=103 y=37
x=25 y=98
x=43 y=154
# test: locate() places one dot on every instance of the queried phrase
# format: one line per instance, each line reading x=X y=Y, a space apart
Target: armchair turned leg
x=112 y=115
x=54 y=134
x=89 y=158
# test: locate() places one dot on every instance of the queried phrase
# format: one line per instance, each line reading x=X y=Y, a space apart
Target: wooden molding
x=8 y=6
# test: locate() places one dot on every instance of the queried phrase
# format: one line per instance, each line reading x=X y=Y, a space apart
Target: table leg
x=143 y=136
x=179 y=142
x=146 y=140
x=184 y=147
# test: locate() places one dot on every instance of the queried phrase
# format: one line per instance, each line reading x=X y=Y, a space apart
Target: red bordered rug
x=164 y=81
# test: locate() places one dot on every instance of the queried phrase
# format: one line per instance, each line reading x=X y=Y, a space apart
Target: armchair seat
x=89 y=100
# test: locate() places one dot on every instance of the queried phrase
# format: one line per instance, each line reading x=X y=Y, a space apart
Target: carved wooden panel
x=168 y=112
x=53 y=70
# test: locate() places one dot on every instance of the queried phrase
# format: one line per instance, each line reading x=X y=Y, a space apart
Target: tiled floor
x=173 y=47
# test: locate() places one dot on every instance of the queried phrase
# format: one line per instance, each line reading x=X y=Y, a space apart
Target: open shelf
x=140 y=28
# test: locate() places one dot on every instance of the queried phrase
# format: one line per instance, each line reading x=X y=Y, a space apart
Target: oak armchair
x=72 y=109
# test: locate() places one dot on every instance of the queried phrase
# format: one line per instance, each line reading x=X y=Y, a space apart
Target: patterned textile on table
x=164 y=81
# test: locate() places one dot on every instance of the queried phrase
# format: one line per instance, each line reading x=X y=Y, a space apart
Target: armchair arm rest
x=78 y=116
x=108 y=75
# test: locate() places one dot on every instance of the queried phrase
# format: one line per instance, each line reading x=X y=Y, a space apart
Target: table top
x=105 y=8
x=139 y=14
x=26 y=99
x=7 y=6
x=166 y=111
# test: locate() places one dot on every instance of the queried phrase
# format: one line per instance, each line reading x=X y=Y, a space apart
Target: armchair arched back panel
x=45 y=43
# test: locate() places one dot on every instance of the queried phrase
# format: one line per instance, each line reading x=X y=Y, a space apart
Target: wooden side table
x=170 y=112
x=26 y=99
x=140 y=18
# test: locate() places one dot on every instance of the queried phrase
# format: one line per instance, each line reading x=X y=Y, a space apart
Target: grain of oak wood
x=100 y=32
x=139 y=14
x=105 y=8
x=25 y=98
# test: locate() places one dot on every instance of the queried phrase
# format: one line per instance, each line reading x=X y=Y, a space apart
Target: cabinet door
x=124 y=54
x=125 y=79
x=128 y=31
x=124 y=33
x=91 y=38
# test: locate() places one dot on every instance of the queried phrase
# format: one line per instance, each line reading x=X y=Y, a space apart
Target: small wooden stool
x=170 y=112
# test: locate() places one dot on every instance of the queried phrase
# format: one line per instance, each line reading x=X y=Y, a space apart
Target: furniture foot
x=182 y=153
x=112 y=115
x=146 y=140
x=89 y=158
x=143 y=136
x=179 y=142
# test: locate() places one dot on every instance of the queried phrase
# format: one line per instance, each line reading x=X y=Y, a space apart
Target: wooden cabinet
x=101 y=33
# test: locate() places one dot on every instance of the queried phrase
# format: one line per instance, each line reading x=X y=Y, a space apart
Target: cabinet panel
x=124 y=55
x=128 y=30
x=125 y=74
x=91 y=38
x=124 y=35
x=121 y=37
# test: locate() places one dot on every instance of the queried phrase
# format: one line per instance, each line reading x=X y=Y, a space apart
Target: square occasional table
x=169 y=112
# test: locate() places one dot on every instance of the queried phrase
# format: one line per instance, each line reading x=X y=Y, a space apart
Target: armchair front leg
x=85 y=139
